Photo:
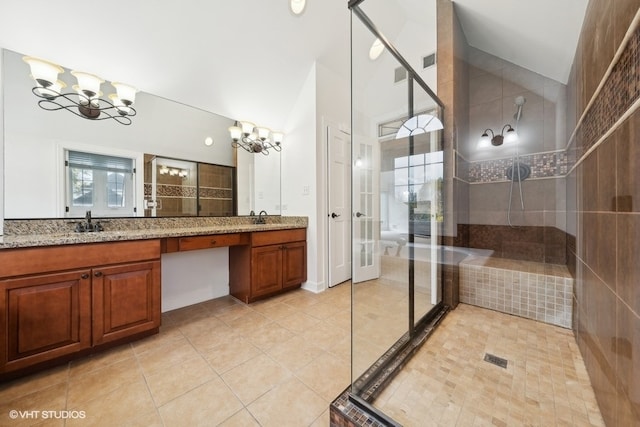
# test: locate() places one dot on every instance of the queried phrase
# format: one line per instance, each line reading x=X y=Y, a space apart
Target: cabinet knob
x=213 y=242
x=85 y=276
x=98 y=273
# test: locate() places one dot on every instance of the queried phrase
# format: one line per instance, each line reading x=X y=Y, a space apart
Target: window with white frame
x=100 y=183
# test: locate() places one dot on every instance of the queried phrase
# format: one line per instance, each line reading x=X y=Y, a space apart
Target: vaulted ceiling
x=250 y=58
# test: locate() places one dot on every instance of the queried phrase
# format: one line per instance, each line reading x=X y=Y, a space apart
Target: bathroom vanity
x=64 y=295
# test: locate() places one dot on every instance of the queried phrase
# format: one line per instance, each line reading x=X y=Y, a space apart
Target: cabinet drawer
x=16 y=262
x=212 y=241
x=263 y=238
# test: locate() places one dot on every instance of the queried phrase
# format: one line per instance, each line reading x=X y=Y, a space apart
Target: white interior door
x=339 y=196
x=366 y=210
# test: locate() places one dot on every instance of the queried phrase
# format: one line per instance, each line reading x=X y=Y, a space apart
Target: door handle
x=334 y=215
x=358 y=214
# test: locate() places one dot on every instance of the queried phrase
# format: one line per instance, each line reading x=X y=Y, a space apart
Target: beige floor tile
x=298 y=322
x=147 y=419
x=207 y=405
x=166 y=356
x=295 y=353
x=323 y=335
x=255 y=377
x=323 y=420
x=222 y=335
x=248 y=322
x=241 y=419
x=307 y=361
x=22 y=386
x=46 y=399
x=274 y=310
x=119 y=407
x=186 y=315
x=218 y=305
x=289 y=404
x=232 y=312
x=204 y=326
x=167 y=335
x=227 y=356
x=269 y=335
x=324 y=310
x=342 y=349
x=327 y=375
x=99 y=360
x=99 y=382
x=167 y=384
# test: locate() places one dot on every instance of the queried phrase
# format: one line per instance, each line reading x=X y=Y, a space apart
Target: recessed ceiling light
x=376 y=49
x=208 y=141
x=297 y=6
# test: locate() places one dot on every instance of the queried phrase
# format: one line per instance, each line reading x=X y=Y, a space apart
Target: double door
x=278 y=267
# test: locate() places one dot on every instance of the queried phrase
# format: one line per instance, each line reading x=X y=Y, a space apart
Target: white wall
x=195 y=276
x=2 y=172
x=299 y=172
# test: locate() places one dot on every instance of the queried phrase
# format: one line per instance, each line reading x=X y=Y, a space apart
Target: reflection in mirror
x=35 y=141
x=258 y=188
x=174 y=187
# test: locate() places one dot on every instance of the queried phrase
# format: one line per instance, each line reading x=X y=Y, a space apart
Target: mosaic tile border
x=618 y=94
x=543 y=165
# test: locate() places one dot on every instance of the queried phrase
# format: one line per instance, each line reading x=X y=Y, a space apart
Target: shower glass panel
x=397 y=183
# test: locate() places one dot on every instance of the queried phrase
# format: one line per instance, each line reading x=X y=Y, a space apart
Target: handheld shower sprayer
x=519 y=102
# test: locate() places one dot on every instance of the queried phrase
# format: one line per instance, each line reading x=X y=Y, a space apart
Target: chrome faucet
x=261 y=219
x=88 y=226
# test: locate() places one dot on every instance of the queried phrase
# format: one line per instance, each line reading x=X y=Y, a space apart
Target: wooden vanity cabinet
x=274 y=262
x=66 y=300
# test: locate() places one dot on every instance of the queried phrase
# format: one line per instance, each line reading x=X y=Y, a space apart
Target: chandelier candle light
x=255 y=139
x=85 y=101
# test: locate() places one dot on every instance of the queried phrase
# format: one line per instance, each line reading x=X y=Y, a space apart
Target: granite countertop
x=48 y=235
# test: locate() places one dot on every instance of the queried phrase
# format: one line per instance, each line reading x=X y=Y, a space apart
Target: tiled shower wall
x=603 y=212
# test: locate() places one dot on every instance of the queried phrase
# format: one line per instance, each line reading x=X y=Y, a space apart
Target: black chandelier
x=255 y=139
x=85 y=101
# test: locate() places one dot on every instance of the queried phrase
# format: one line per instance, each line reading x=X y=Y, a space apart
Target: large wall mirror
x=36 y=142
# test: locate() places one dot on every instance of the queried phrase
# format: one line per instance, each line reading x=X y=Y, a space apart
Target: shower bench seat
x=527 y=289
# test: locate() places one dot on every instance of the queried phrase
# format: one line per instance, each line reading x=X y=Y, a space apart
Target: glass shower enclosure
x=397 y=202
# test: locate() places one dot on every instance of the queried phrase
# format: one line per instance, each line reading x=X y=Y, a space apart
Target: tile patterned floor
x=215 y=363
x=225 y=363
x=447 y=383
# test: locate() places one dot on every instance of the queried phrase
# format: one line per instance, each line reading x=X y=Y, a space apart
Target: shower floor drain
x=498 y=361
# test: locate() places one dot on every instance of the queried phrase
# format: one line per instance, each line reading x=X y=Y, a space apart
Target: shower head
x=519 y=102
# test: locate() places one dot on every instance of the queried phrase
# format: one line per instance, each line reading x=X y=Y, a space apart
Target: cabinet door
x=47 y=316
x=266 y=270
x=294 y=264
x=126 y=300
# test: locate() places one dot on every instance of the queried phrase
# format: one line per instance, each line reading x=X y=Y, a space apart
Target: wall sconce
x=497 y=140
x=255 y=139
x=85 y=102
